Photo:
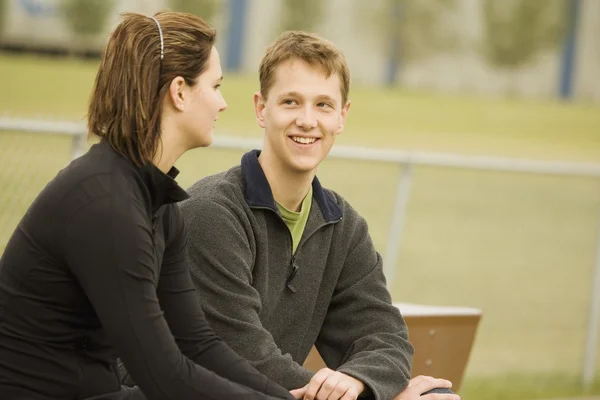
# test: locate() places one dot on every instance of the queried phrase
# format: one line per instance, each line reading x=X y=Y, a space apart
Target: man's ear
x=259 y=108
x=343 y=116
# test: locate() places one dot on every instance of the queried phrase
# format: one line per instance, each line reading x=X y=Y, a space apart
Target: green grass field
x=519 y=246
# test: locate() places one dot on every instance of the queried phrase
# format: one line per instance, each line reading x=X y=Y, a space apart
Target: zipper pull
x=154 y=218
x=288 y=282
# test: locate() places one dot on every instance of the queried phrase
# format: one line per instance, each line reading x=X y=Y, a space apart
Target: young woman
x=97 y=267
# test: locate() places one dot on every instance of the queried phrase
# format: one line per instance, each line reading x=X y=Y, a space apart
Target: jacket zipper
x=154 y=219
x=293 y=266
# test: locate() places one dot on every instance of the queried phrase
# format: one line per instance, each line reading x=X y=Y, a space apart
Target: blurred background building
x=505 y=47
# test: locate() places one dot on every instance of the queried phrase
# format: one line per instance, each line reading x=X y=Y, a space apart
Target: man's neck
x=289 y=188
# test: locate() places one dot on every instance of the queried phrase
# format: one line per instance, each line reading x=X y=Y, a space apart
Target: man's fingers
x=424 y=378
x=329 y=386
x=441 y=396
x=299 y=393
x=422 y=384
x=351 y=394
x=315 y=383
x=339 y=391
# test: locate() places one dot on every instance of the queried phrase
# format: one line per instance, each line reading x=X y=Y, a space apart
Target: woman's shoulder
x=94 y=176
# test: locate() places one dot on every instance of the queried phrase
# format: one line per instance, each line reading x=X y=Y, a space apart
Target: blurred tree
x=87 y=18
x=301 y=14
x=3 y=12
x=420 y=27
x=206 y=9
x=516 y=31
x=417 y=28
x=411 y=29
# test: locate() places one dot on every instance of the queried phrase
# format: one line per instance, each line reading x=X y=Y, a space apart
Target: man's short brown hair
x=310 y=48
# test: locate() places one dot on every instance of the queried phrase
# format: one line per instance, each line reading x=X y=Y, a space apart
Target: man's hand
x=330 y=385
x=421 y=384
x=299 y=393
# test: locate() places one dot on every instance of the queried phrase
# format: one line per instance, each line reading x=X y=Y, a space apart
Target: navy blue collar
x=258 y=192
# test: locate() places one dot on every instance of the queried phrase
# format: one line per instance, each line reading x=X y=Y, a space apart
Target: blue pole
x=235 y=39
x=394 y=51
x=569 y=50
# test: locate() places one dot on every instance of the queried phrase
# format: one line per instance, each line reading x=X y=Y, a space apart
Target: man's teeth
x=303 y=140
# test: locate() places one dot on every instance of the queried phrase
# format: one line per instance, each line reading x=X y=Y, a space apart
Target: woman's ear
x=177 y=94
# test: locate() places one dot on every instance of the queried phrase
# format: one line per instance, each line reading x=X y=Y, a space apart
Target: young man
x=280 y=263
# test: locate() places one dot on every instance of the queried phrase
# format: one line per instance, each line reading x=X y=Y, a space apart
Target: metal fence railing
x=407 y=161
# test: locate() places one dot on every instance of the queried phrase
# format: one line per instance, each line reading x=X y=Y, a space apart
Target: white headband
x=162 y=43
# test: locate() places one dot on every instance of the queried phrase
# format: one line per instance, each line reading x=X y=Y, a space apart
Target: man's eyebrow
x=296 y=94
x=290 y=94
x=326 y=97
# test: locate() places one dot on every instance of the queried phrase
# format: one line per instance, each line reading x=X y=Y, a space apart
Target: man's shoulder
x=220 y=185
x=222 y=189
x=348 y=211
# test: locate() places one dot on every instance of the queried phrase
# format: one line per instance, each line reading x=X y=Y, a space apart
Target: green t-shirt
x=296 y=221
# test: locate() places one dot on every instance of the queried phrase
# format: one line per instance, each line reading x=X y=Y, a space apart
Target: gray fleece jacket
x=271 y=306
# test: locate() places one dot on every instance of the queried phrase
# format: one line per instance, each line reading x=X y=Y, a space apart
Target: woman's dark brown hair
x=125 y=105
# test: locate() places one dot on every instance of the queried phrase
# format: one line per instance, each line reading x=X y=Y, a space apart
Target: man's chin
x=305 y=166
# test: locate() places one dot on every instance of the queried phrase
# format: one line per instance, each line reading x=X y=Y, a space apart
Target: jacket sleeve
x=109 y=248
x=223 y=279
x=363 y=333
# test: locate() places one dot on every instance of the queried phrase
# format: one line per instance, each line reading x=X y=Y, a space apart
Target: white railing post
x=398 y=221
x=78 y=145
x=591 y=343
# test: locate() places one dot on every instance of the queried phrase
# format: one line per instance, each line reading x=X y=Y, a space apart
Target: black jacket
x=97 y=269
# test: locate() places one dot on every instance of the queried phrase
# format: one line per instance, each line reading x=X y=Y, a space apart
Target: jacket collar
x=257 y=190
x=162 y=188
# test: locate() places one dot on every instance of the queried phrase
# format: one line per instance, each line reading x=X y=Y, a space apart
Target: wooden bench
x=442 y=336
